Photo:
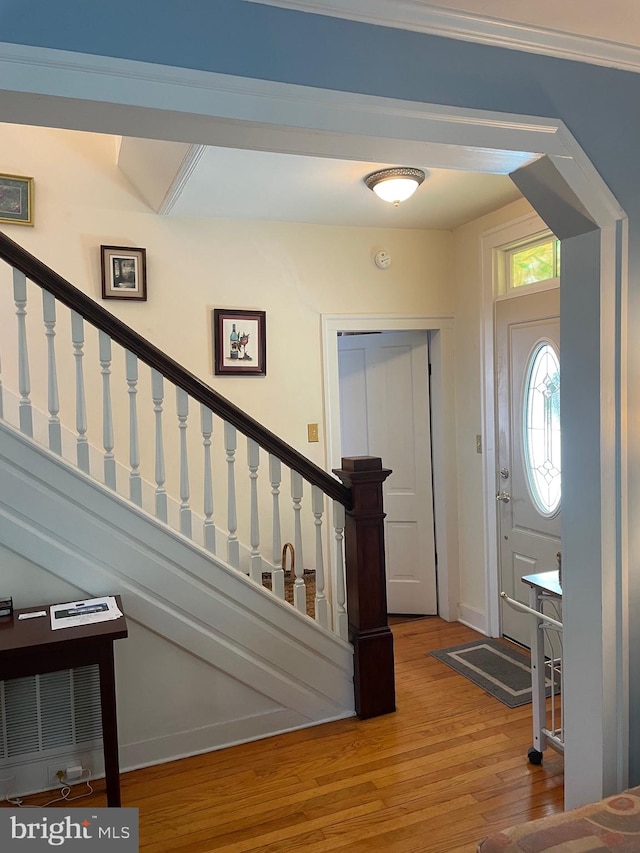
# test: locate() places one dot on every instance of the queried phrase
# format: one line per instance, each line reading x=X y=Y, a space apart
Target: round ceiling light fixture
x=395 y=185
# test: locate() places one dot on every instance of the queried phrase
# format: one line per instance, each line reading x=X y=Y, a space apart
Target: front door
x=384 y=411
x=528 y=476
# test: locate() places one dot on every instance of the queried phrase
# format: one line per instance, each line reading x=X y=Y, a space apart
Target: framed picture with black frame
x=239 y=342
x=124 y=272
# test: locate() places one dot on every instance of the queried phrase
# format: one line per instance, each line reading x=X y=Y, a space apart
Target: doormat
x=501 y=670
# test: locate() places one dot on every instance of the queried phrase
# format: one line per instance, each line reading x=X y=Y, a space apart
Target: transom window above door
x=533 y=262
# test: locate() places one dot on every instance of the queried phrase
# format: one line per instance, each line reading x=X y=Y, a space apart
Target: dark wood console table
x=31 y=647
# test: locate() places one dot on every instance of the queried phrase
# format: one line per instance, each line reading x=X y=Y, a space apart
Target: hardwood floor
x=442 y=772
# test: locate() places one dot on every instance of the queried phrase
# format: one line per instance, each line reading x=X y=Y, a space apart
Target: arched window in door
x=541 y=423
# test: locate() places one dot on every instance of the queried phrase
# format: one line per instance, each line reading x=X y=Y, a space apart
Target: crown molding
x=417 y=16
x=191 y=159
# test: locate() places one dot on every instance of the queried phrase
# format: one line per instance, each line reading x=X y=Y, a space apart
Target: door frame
x=440 y=341
x=528 y=317
x=492 y=243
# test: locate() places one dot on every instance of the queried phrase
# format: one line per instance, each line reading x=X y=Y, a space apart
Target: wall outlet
x=53 y=773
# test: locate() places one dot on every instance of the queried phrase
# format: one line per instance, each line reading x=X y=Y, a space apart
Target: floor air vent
x=49 y=713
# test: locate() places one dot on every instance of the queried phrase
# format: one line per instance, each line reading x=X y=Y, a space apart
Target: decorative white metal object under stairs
x=117 y=417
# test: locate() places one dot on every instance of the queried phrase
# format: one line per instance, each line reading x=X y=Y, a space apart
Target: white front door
x=528 y=475
x=384 y=411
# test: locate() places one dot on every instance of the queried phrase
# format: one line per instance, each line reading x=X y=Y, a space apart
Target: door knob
x=505 y=497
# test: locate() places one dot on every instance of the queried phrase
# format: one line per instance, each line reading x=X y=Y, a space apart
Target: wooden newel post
x=366 y=586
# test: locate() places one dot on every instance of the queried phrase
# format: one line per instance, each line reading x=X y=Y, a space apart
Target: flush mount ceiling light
x=395 y=185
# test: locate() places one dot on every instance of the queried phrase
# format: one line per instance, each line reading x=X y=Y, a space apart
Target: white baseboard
x=31 y=777
x=213 y=738
x=473 y=618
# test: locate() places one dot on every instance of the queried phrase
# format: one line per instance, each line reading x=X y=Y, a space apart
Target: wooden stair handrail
x=76 y=300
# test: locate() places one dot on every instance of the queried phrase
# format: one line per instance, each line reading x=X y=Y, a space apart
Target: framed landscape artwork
x=16 y=200
x=239 y=342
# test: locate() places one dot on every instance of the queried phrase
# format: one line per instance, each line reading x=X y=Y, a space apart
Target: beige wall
x=294 y=272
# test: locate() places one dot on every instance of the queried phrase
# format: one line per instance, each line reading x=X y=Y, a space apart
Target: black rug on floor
x=500 y=669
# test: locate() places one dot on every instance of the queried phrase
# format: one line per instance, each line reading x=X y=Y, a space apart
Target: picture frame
x=239 y=342
x=16 y=200
x=124 y=272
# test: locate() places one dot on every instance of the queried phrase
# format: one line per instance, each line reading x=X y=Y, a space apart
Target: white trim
x=181 y=178
x=185 y=744
x=534 y=287
x=417 y=16
x=474 y=618
x=585 y=180
x=33 y=776
x=68 y=524
x=445 y=501
x=10 y=415
x=229 y=111
x=334 y=323
x=614 y=493
x=219 y=109
x=621 y=642
x=491 y=242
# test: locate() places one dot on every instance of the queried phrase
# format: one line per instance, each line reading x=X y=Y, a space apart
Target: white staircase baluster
x=157 y=395
x=277 y=575
x=209 y=529
x=342 y=619
x=135 y=480
x=299 y=592
x=322 y=605
x=53 y=402
x=107 y=415
x=82 y=445
x=1 y=398
x=24 y=381
x=253 y=461
x=182 y=403
x=233 y=546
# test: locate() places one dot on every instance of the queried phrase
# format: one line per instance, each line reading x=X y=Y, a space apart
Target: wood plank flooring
x=442 y=772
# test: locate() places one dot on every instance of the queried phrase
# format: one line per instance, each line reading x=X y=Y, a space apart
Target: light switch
x=312 y=432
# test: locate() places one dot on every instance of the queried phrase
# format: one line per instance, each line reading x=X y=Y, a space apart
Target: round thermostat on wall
x=383 y=260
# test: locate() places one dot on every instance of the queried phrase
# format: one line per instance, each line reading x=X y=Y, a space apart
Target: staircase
x=175 y=524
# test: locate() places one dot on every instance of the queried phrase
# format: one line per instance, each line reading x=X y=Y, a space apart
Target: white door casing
x=529 y=539
x=440 y=332
x=384 y=411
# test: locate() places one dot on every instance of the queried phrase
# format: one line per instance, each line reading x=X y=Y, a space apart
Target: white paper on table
x=86 y=612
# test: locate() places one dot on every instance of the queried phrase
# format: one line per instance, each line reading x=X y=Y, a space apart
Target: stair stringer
x=72 y=526
x=10 y=413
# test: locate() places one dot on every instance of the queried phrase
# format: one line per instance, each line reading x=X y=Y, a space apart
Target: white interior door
x=528 y=476
x=384 y=411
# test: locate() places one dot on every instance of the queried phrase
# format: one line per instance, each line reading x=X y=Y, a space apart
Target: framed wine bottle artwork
x=239 y=342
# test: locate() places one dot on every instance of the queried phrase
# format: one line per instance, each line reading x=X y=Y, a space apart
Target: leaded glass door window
x=541 y=422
